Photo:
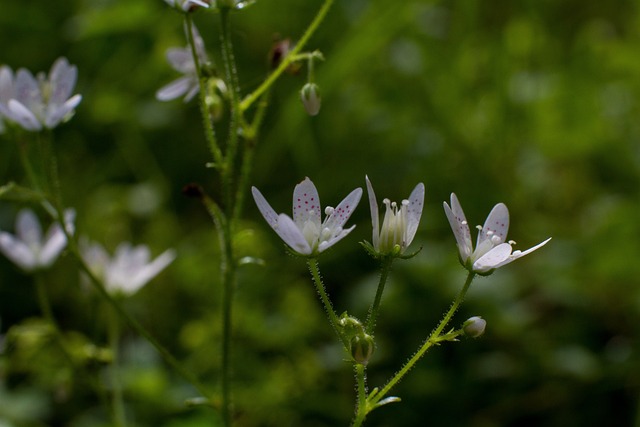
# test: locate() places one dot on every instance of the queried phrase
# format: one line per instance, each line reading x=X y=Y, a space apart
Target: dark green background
x=533 y=103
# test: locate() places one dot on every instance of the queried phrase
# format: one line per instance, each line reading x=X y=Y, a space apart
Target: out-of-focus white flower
x=188 y=5
x=27 y=248
x=311 y=100
x=492 y=249
x=474 y=326
x=128 y=270
x=304 y=233
x=181 y=59
x=39 y=101
x=400 y=223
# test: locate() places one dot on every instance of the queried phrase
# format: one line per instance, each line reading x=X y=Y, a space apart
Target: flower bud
x=474 y=326
x=310 y=95
x=362 y=347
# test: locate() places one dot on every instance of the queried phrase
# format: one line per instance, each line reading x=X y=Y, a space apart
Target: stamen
x=512 y=242
x=479 y=227
x=490 y=233
x=464 y=222
x=496 y=239
x=516 y=253
x=328 y=210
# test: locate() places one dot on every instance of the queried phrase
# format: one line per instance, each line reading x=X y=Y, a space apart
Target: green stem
x=361 y=404
x=252 y=97
x=373 y=310
x=228 y=172
x=429 y=342
x=207 y=122
x=26 y=164
x=228 y=271
x=117 y=400
x=333 y=317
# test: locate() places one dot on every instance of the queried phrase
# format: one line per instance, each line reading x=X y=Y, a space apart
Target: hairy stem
x=373 y=310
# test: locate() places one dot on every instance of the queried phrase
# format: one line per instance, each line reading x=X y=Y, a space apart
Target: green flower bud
x=362 y=347
x=474 y=326
x=310 y=95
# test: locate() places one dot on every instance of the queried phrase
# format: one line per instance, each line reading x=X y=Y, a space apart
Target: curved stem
x=251 y=98
x=373 y=310
x=328 y=307
x=429 y=342
x=207 y=122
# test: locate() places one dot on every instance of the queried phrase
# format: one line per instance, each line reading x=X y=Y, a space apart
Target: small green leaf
x=15 y=193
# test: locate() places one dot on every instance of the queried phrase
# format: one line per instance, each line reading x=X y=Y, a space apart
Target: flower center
x=394 y=226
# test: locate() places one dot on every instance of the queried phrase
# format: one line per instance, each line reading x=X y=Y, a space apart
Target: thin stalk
x=328 y=307
x=361 y=404
x=26 y=164
x=317 y=20
x=207 y=122
x=228 y=271
x=373 y=310
x=429 y=342
x=117 y=400
x=247 y=157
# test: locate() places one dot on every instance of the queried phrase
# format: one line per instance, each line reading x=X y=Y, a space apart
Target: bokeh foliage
x=533 y=103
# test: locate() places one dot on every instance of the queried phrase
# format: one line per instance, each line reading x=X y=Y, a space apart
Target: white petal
x=518 y=254
x=306 y=204
x=192 y=92
x=23 y=116
x=265 y=208
x=459 y=226
x=149 y=271
x=343 y=211
x=6 y=84
x=174 y=90
x=181 y=60
x=26 y=87
x=414 y=211
x=291 y=234
x=62 y=79
x=56 y=113
x=335 y=239
x=375 y=214
x=17 y=251
x=497 y=224
x=496 y=257
x=55 y=242
x=28 y=228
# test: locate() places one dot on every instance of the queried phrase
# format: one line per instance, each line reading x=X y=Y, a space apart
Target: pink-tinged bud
x=474 y=326
x=310 y=95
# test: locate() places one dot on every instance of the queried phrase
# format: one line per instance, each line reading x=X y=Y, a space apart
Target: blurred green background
x=532 y=103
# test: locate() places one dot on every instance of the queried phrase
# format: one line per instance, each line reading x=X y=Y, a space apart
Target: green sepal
x=410 y=255
x=369 y=249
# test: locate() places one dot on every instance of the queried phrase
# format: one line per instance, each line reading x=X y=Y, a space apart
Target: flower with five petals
x=27 y=248
x=305 y=234
x=492 y=250
x=42 y=101
x=400 y=223
x=128 y=270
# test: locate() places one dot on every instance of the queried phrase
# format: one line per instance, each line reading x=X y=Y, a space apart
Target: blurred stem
x=117 y=401
x=26 y=164
x=228 y=172
x=252 y=97
x=207 y=121
x=50 y=166
x=248 y=156
x=361 y=404
x=387 y=261
x=228 y=270
x=333 y=318
x=433 y=339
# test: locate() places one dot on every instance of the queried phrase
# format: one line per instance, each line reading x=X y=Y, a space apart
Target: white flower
x=128 y=270
x=39 y=102
x=492 y=250
x=187 y=5
x=304 y=233
x=181 y=59
x=7 y=92
x=400 y=223
x=27 y=248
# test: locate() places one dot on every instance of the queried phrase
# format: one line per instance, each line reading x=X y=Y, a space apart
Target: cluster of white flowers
x=38 y=102
x=307 y=236
x=128 y=270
